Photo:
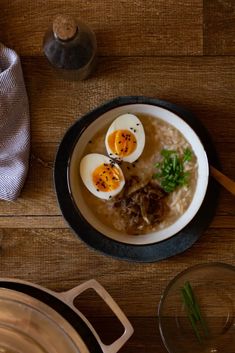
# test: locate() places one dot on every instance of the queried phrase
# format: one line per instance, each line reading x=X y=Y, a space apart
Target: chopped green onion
x=171 y=172
x=194 y=313
x=187 y=155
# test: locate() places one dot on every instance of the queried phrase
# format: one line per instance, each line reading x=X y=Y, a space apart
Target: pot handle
x=69 y=297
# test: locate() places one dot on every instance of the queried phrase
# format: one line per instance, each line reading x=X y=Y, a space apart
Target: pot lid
x=29 y=325
x=50 y=320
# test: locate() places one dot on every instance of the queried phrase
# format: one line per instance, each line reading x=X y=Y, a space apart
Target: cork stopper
x=64 y=27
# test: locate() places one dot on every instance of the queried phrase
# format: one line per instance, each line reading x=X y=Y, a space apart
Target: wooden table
x=180 y=51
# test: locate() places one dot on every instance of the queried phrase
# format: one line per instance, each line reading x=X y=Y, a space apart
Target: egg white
x=88 y=164
x=126 y=122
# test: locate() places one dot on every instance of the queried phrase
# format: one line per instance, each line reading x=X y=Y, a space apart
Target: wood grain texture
x=38 y=197
x=41 y=222
x=203 y=85
x=58 y=222
x=123 y=27
x=146 y=330
x=219 y=27
x=146 y=338
x=223 y=180
x=56 y=259
x=151 y=48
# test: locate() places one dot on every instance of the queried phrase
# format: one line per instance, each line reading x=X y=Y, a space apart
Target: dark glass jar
x=70 y=46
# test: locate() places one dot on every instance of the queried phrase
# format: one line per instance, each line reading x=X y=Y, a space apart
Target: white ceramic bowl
x=103 y=120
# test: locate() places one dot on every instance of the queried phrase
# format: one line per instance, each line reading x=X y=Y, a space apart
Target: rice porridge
x=159 y=136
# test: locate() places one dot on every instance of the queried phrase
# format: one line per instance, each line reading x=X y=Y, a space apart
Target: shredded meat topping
x=142 y=208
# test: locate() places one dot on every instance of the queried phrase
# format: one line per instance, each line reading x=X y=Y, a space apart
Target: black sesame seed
x=97 y=190
x=90 y=141
x=110 y=197
x=134 y=130
x=137 y=124
x=133 y=165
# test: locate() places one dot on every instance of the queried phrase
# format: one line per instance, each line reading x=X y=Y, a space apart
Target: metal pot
x=36 y=319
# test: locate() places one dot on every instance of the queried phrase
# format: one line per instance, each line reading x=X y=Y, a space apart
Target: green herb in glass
x=194 y=313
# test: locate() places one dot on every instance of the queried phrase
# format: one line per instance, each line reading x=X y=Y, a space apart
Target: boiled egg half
x=101 y=175
x=125 y=138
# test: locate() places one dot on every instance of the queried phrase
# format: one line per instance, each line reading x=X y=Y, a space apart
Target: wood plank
x=122 y=27
x=38 y=200
x=219 y=29
x=223 y=222
x=203 y=85
x=58 y=260
x=226 y=203
x=41 y=222
x=36 y=244
x=146 y=337
x=38 y=196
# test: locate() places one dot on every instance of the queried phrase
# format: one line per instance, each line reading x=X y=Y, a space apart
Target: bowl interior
x=214 y=289
x=75 y=183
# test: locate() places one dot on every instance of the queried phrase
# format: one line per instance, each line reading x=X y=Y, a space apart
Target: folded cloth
x=14 y=125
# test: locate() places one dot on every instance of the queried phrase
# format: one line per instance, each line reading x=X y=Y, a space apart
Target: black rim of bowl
x=96 y=240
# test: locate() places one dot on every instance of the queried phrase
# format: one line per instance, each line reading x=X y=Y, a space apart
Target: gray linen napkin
x=14 y=125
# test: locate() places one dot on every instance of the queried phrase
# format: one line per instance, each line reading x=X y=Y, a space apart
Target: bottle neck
x=65 y=28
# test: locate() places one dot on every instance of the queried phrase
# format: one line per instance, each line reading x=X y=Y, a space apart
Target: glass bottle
x=70 y=46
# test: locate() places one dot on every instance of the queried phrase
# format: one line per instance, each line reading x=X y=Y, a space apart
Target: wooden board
x=180 y=51
x=122 y=27
x=219 y=28
x=203 y=85
x=56 y=259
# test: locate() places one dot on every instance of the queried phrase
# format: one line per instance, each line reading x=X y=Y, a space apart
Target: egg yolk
x=106 y=177
x=122 y=142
